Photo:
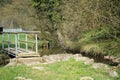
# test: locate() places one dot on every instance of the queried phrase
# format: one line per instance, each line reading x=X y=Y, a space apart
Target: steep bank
x=87 y=26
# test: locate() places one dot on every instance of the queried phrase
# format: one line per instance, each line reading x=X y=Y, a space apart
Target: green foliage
x=48 y=7
x=91 y=26
x=3 y=59
x=17 y=14
x=4 y=2
x=48 y=10
x=13 y=72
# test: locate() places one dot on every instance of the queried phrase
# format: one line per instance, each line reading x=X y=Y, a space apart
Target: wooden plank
x=26 y=41
x=6 y=51
x=24 y=50
x=22 y=53
x=19 y=51
x=28 y=55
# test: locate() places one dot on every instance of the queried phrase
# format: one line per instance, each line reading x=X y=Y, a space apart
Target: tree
x=18 y=12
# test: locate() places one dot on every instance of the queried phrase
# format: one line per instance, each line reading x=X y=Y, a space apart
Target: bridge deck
x=21 y=52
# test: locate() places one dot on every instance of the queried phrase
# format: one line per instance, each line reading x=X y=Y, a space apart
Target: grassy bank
x=100 y=41
x=68 y=70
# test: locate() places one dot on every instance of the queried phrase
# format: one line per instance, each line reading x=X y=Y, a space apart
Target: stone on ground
x=39 y=68
x=113 y=73
x=89 y=62
x=100 y=65
x=82 y=59
x=86 y=78
x=13 y=62
x=56 y=58
x=21 y=78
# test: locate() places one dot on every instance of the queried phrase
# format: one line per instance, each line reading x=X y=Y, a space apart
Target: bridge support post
x=8 y=43
x=18 y=40
x=36 y=37
x=2 y=41
x=26 y=41
x=16 y=50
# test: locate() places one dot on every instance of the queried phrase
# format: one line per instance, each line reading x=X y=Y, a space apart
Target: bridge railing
x=18 y=40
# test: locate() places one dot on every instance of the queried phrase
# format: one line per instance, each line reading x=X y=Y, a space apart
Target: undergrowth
x=101 y=41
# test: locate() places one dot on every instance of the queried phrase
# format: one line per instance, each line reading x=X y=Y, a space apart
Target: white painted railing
x=13 y=30
x=18 y=40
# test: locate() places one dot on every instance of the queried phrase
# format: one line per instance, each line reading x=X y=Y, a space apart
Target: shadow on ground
x=4 y=59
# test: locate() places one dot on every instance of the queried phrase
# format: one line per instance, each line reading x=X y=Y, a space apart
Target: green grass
x=68 y=70
x=100 y=41
x=8 y=73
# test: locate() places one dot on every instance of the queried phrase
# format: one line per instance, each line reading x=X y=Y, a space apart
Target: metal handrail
x=17 y=40
x=27 y=32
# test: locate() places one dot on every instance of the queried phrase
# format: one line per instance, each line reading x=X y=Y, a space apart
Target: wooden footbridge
x=17 y=50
